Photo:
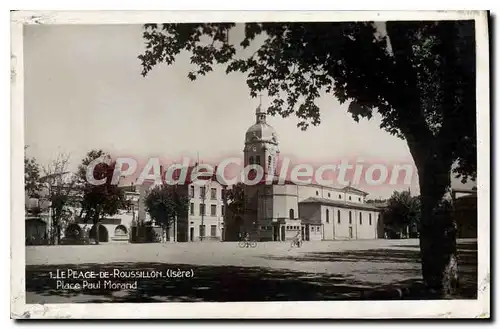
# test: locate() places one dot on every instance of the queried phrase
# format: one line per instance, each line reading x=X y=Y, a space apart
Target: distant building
x=465 y=212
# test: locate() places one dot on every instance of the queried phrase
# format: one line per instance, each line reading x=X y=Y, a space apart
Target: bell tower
x=261 y=144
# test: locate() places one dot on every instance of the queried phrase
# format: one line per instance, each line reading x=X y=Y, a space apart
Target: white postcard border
x=322 y=309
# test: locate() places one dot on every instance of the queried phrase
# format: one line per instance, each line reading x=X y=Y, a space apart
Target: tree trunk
x=438 y=230
x=58 y=234
x=97 y=225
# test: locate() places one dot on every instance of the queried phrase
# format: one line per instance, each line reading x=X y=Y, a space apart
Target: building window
x=202 y=192
x=327 y=216
x=317 y=193
x=349 y=198
x=370 y=219
x=191 y=191
x=291 y=214
x=340 y=196
x=360 y=218
x=328 y=194
x=202 y=230
x=202 y=209
x=251 y=160
x=288 y=227
x=359 y=199
x=350 y=217
x=338 y=216
x=213 y=210
x=257 y=159
x=222 y=210
x=213 y=230
x=191 y=208
x=213 y=193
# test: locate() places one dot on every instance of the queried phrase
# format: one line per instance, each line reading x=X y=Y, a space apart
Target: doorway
x=275 y=232
x=283 y=233
x=350 y=232
x=191 y=234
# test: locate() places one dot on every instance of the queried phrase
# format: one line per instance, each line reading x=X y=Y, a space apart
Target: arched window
x=338 y=216
x=291 y=214
x=360 y=218
x=121 y=230
x=250 y=160
x=257 y=159
x=327 y=216
x=370 y=219
x=350 y=217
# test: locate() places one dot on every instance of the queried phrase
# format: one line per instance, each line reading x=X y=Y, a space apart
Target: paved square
x=222 y=271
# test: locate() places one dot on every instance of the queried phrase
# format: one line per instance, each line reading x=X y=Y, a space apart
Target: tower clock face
x=254 y=148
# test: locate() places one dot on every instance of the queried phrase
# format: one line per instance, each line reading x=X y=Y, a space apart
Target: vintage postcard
x=285 y=164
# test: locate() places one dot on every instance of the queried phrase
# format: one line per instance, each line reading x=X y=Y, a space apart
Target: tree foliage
x=31 y=177
x=403 y=210
x=99 y=200
x=164 y=204
x=236 y=199
x=420 y=76
x=62 y=188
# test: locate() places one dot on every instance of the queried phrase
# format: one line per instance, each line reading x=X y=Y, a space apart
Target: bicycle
x=296 y=243
x=247 y=244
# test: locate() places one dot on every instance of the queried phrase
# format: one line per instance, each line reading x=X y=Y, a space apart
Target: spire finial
x=259 y=108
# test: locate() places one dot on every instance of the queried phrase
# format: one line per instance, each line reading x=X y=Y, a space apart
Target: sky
x=83 y=91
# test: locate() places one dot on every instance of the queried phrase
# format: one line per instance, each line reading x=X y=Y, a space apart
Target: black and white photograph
x=251 y=159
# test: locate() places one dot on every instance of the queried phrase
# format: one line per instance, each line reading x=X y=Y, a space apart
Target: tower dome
x=261 y=132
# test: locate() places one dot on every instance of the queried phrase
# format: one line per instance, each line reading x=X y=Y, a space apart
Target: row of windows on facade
x=292 y=228
x=213 y=230
x=340 y=196
x=256 y=160
x=213 y=193
x=350 y=217
x=201 y=211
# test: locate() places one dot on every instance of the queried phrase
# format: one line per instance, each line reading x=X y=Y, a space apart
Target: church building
x=279 y=212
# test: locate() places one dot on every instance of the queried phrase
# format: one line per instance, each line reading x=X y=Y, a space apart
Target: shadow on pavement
x=235 y=283
x=467 y=261
x=209 y=284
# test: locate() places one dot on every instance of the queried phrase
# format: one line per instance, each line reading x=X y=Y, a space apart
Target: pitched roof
x=341 y=204
x=355 y=190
